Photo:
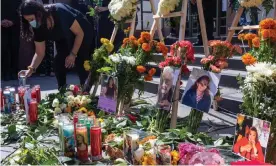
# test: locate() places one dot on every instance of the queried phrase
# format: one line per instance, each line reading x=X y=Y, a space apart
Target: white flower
x=71 y=87
x=55 y=103
x=63 y=106
x=129 y=60
x=69 y=93
x=89 y=101
x=70 y=98
x=77 y=100
x=57 y=110
x=71 y=104
x=116 y=58
x=166 y=6
x=120 y=9
x=83 y=100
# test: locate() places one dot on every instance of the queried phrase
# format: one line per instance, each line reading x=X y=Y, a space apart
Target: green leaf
x=122 y=124
x=101 y=114
x=104 y=70
x=91 y=12
x=139 y=124
x=11 y=129
x=218 y=142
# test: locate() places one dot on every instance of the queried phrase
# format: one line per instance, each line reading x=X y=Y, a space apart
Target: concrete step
x=232 y=98
x=228 y=77
x=234 y=63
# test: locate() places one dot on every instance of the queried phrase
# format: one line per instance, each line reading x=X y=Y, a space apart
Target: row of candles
x=77 y=135
x=28 y=99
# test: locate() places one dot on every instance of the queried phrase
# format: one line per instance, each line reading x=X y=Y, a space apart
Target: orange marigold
x=250 y=36
x=132 y=38
x=152 y=71
x=256 y=42
x=140 y=69
x=146 y=47
x=148 y=78
x=141 y=41
x=241 y=36
x=248 y=59
x=126 y=40
x=145 y=36
x=268 y=23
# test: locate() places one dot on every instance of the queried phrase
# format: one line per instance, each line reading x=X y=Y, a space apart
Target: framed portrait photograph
x=109 y=92
x=200 y=90
x=251 y=138
x=166 y=87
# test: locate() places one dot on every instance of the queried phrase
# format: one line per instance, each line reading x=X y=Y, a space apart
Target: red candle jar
x=38 y=93
x=75 y=121
x=21 y=93
x=82 y=142
x=33 y=94
x=96 y=143
x=33 y=111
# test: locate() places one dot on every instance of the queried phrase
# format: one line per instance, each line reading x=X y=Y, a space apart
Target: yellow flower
x=82 y=109
x=104 y=40
x=109 y=47
x=87 y=65
x=100 y=120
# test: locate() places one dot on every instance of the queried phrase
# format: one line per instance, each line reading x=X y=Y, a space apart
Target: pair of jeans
x=254 y=18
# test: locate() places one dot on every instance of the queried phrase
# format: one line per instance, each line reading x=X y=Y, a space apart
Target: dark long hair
x=31 y=7
x=113 y=85
x=199 y=80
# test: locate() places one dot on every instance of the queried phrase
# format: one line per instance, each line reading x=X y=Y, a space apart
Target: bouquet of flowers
x=263 y=46
x=166 y=6
x=220 y=52
x=129 y=65
x=260 y=83
x=250 y=3
x=97 y=61
x=191 y=154
x=181 y=53
x=122 y=10
x=146 y=154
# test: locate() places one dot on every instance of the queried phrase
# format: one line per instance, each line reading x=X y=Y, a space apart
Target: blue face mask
x=34 y=24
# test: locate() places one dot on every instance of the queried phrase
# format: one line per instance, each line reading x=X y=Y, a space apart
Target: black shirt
x=64 y=16
x=9 y=10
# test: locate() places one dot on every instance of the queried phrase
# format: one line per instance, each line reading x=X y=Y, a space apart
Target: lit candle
x=82 y=143
x=68 y=140
x=96 y=143
x=33 y=112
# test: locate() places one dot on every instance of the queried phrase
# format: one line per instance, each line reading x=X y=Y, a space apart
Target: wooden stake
x=234 y=24
x=156 y=24
x=177 y=88
x=132 y=26
x=114 y=33
x=202 y=26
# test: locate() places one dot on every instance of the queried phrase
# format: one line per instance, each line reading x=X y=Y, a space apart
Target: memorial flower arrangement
x=260 y=83
x=220 y=52
x=122 y=10
x=167 y=6
x=128 y=65
x=96 y=62
x=250 y=3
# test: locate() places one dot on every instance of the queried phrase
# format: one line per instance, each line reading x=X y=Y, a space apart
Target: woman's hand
x=70 y=61
x=27 y=73
x=101 y=9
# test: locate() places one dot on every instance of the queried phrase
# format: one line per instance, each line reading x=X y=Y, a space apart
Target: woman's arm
x=39 y=54
x=38 y=57
x=79 y=34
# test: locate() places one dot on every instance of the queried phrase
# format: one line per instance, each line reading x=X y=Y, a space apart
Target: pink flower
x=76 y=90
x=163 y=64
x=206 y=158
x=222 y=64
x=211 y=57
x=204 y=61
x=177 y=60
x=215 y=69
